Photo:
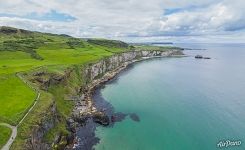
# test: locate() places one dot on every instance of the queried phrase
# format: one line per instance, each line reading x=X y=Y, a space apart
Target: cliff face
x=98 y=73
x=48 y=122
x=108 y=64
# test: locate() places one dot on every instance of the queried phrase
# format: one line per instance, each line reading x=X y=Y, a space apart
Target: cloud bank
x=131 y=20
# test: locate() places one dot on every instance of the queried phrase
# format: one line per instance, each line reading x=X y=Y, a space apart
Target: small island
x=201 y=57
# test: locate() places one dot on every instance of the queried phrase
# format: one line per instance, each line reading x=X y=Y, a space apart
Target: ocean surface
x=182 y=103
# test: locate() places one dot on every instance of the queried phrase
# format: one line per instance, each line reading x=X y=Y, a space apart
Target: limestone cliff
x=102 y=71
x=108 y=64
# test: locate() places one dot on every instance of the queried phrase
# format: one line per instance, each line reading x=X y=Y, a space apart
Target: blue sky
x=131 y=20
x=52 y=15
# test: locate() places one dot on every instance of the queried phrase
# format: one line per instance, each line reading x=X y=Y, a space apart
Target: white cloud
x=132 y=18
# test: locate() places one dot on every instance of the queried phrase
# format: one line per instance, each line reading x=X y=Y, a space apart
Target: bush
x=25 y=45
x=108 y=43
x=75 y=43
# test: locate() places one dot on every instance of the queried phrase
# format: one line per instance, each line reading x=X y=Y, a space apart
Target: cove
x=182 y=103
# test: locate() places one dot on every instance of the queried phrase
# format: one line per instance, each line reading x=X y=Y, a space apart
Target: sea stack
x=198 y=56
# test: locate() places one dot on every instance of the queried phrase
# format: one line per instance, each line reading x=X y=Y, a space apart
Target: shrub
x=75 y=43
x=108 y=43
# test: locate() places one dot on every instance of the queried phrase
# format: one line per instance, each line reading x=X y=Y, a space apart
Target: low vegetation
x=158 y=48
x=109 y=43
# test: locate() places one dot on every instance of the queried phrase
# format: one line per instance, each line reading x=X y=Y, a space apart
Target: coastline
x=92 y=112
x=91 y=88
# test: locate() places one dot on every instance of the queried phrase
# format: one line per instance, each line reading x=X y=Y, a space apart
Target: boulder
x=101 y=118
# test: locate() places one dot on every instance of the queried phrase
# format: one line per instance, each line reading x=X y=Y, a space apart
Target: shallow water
x=182 y=103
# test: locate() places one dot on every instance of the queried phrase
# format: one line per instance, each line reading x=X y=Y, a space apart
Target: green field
x=4 y=135
x=34 y=50
x=15 y=98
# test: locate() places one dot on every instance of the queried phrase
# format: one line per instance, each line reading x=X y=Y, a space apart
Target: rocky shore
x=86 y=107
x=88 y=112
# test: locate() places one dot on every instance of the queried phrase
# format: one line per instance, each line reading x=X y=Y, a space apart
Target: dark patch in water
x=86 y=135
x=86 y=132
x=118 y=117
x=134 y=117
x=101 y=104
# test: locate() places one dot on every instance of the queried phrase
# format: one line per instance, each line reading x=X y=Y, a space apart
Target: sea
x=181 y=103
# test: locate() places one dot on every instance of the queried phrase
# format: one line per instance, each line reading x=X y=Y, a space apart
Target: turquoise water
x=183 y=103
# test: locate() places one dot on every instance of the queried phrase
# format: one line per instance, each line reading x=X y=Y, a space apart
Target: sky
x=177 y=21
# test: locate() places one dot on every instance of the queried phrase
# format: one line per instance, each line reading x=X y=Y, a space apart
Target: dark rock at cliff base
x=71 y=125
x=62 y=142
x=86 y=136
x=134 y=117
x=118 y=117
x=70 y=121
x=101 y=118
x=70 y=139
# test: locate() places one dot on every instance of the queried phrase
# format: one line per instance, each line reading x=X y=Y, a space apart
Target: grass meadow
x=15 y=96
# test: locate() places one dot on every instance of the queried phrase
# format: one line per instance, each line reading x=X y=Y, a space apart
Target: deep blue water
x=183 y=103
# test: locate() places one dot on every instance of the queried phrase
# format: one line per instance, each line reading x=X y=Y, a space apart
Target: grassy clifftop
x=23 y=51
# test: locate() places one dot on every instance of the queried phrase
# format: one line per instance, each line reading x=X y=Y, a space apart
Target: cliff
x=108 y=64
x=102 y=71
x=71 y=93
x=48 y=122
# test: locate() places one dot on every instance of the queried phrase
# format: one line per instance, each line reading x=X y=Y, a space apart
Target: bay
x=182 y=103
